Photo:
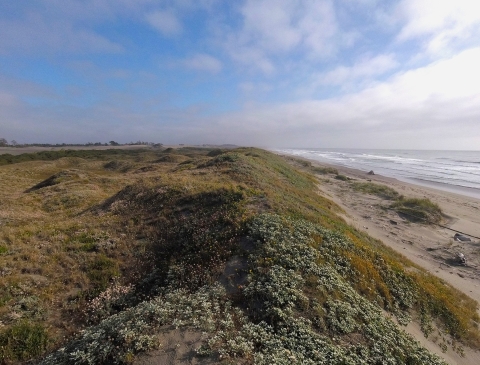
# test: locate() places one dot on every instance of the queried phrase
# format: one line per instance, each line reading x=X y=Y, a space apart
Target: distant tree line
x=4 y=143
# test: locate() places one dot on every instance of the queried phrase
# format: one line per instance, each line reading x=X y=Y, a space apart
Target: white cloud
x=273 y=29
x=282 y=26
x=203 y=62
x=319 y=29
x=165 y=21
x=437 y=106
x=270 y=24
x=443 y=22
x=365 y=68
x=251 y=57
x=254 y=88
x=39 y=33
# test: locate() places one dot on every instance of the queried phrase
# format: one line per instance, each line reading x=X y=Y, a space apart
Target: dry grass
x=56 y=249
x=52 y=248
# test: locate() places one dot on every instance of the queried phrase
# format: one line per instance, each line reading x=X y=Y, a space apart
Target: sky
x=267 y=73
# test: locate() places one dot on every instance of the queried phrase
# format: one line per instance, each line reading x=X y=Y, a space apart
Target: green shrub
x=23 y=341
x=172 y=158
x=215 y=152
x=226 y=157
x=304 y=163
x=101 y=270
x=3 y=249
x=116 y=165
x=86 y=238
x=89 y=247
x=324 y=170
x=342 y=177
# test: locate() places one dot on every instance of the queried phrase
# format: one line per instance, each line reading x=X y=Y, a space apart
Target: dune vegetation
x=380 y=190
x=102 y=253
x=418 y=210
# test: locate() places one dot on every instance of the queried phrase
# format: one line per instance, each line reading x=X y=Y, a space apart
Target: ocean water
x=455 y=171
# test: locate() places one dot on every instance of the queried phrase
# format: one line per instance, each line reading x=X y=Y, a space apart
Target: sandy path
x=431 y=247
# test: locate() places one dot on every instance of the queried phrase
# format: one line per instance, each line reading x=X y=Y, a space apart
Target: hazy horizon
x=399 y=74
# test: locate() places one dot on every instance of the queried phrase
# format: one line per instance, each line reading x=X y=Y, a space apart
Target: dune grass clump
x=298 y=162
x=116 y=165
x=324 y=170
x=382 y=191
x=215 y=152
x=342 y=177
x=418 y=210
x=172 y=158
x=101 y=271
x=23 y=341
x=413 y=209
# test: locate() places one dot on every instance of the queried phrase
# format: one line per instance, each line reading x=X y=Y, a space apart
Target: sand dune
x=430 y=246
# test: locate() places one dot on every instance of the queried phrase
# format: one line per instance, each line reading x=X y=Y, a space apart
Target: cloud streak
x=443 y=23
x=165 y=22
x=37 y=34
x=203 y=62
x=271 y=28
x=366 y=68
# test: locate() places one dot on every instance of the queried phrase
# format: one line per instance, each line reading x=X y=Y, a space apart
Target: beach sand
x=429 y=246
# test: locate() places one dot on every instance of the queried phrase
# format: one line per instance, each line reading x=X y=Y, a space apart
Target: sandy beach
x=429 y=246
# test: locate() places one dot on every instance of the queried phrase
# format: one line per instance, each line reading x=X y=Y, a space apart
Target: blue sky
x=269 y=73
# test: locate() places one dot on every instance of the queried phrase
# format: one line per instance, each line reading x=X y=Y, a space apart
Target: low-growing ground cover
x=120 y=247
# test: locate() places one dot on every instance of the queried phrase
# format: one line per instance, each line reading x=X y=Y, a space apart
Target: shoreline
x=440 y=188
x=428 y=246
x=449 y=188
x=473 y=192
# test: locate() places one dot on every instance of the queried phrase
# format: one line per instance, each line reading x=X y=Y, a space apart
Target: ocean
x=454 y=171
